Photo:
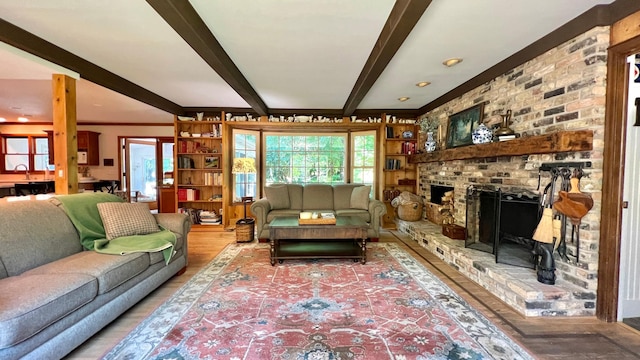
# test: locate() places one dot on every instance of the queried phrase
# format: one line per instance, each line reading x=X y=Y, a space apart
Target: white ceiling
x=296 y=54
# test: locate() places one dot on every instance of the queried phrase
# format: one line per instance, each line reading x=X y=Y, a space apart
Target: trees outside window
x=363 y=158
x=305 y=159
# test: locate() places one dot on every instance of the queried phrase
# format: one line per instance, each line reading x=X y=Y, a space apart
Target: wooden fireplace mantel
x=563 y=141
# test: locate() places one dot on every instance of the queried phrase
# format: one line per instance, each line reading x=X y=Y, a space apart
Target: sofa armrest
x=376 y=210
x=260 y=209
x=178 y=223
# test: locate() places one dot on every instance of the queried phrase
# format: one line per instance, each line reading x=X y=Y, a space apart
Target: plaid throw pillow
x=126 y=219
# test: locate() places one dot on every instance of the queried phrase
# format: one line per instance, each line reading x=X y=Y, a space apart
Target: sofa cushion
x=126 y=219
x=295 y=196
x=317 y=197
x=278 y=196
x=360 y=197
x=110 y=270
x=30 y=303
x=342 y=195
x=33 y=233
x=362 y=214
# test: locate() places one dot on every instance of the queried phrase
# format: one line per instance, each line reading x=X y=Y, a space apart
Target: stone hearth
x=516 y=286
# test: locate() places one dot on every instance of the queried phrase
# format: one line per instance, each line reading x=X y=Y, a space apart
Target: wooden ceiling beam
x=184 y=19
x=403 y=18
x=24 y=40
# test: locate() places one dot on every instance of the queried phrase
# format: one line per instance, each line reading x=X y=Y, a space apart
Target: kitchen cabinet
x=88 y=147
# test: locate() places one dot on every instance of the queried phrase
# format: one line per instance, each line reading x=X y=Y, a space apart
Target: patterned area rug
x=241 y=307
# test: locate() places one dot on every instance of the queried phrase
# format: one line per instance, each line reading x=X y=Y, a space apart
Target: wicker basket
x=244 y=230
x=410 y=212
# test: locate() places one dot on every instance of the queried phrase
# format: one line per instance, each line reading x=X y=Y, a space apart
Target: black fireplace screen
x=502 y=224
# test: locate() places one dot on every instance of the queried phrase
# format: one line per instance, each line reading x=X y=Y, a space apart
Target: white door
x=629 y=286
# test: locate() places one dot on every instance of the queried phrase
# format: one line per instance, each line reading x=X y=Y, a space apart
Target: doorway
x=147 y=171
x=629 y=282
x=614 y=204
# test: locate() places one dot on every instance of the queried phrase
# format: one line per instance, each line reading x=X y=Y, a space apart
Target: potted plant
x=429 y=125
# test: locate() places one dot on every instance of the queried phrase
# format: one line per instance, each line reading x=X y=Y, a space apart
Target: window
x=363 y=158
x=25 y=153
x=245 y=146
x=305 y=159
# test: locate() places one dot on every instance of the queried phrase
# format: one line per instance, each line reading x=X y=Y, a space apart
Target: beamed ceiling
x=143 y=61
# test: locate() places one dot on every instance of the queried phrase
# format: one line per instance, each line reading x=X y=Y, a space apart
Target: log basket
x=410 y=212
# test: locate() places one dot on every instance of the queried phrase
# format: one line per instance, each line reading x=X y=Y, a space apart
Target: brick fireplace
x=560 y=92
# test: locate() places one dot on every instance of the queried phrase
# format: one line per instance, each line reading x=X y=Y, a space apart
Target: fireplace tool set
x=571 y=204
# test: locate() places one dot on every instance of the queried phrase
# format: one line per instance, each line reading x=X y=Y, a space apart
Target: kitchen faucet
x=26 y=170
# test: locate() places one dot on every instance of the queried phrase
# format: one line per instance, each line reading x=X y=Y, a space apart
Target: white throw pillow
x=360 y=197
x=126 y=219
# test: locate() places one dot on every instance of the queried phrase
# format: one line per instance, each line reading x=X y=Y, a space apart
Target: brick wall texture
x=563 y=89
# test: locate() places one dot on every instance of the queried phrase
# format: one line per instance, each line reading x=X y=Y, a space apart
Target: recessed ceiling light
x=423 y=84
x=3 y=119
x=404 y=98
x=23 y=119
x=451 y=62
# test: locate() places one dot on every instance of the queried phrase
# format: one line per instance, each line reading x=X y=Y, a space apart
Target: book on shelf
x=408 y=147
x=185 y=162
x=213 y=179
x=188 y=146
x=188 y=194
x=182 y=194
x=393 y=164
x=389 y=132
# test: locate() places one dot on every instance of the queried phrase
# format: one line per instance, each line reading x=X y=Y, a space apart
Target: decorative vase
x=482 y=135
x=430 y=144
x=504 y=127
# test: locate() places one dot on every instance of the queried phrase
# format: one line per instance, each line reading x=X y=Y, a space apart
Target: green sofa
x=291 y=199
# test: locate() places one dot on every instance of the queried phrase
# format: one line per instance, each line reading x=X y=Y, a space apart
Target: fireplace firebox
x=437 y=192
x=503 y=224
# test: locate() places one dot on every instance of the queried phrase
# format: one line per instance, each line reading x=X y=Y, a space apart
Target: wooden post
x=64 y=134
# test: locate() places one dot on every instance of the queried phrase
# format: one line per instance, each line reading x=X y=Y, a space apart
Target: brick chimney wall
x=563 y=89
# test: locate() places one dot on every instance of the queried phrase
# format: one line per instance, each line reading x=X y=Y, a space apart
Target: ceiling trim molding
x=184 y=19
x=402 y=19
x=303 y=112
x=26 y=41
x=404 y=113
x=215 y=109
x=599 y=15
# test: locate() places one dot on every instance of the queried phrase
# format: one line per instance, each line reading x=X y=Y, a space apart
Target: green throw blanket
x=83 y=212
x=163 y=241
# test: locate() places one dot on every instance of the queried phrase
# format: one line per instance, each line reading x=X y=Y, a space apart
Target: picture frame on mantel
x=462 y=124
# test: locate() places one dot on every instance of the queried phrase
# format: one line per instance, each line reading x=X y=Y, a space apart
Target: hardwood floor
x=547 y=338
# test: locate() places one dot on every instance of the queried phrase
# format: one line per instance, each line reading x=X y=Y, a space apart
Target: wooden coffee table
x=347 y=239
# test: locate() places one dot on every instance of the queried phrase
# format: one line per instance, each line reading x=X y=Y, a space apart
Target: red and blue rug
x=241 y=307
